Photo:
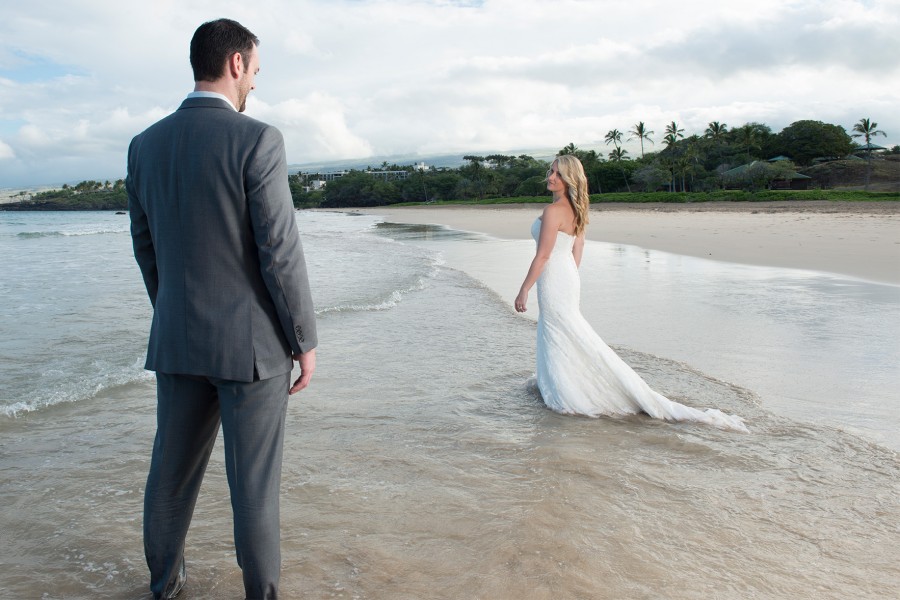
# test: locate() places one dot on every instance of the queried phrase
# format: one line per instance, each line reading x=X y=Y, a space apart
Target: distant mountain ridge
x=450 y=161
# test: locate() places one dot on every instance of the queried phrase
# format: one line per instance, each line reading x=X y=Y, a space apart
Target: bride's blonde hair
x=571 y=172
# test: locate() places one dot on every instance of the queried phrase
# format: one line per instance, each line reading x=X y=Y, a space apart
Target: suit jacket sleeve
x=281 y=259
x=144 y=252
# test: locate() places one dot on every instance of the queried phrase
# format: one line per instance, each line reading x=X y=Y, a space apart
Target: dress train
x=577 y=373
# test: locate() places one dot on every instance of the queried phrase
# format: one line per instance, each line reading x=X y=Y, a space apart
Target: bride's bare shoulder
x=558 y=215
x=555 y=212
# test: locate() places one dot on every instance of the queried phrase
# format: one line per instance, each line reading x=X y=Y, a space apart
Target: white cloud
x=314 y=121
x=353 y=79
x=6 y=151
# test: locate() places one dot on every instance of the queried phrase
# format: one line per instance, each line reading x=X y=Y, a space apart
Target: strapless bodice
x=564 y=241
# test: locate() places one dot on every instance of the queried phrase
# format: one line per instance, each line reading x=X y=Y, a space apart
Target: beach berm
x=860 y=239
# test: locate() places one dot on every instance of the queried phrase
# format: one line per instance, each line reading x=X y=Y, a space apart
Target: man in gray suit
x=215 y=237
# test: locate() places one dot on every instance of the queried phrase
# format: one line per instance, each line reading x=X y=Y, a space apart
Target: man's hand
x=307 y=362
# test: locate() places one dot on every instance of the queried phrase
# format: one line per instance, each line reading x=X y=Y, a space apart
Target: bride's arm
x=550 y=223
x=578 y=249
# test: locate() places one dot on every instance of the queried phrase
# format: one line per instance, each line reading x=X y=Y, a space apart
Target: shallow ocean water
x=419 y=464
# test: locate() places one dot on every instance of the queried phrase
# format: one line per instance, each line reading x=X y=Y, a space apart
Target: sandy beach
x=850 y=238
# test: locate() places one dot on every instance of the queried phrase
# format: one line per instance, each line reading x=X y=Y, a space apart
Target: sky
x=360 y=79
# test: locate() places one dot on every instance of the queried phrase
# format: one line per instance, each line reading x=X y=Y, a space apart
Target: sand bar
x=859 y=239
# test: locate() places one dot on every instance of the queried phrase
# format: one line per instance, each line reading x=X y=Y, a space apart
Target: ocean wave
x=385 y=303
x=77 y=391
x=323 y=224
x=388 y=303
x=429 y=264
x=76 y=232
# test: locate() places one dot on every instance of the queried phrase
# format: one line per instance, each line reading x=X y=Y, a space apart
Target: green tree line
x=86 y=195
x=700 y=164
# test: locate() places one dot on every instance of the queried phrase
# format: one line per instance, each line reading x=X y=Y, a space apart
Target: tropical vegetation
x=87 y=195
x=724 y=163
x=721 y=163
x=867 y=129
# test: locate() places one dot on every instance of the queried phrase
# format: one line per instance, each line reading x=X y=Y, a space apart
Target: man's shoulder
x=218 y=111
x=209 y=113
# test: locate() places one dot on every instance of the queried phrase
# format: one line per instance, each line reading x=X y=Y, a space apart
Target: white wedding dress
x=577 y=373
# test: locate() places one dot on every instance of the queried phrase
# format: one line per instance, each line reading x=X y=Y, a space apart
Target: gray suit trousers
x=189 y=412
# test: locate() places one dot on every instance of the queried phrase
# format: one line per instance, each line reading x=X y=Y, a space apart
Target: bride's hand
x=521 y=301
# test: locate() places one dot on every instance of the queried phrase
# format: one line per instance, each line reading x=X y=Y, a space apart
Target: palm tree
x=667 y=160
x=687 y=162
x=640 y=131
x=570 y=149
x=670 y=140
x=716 y=131
x=613 y=136
x=747 y=135
x=589 y=158
x=675 y=132
x=867 y=129
x=617 y=156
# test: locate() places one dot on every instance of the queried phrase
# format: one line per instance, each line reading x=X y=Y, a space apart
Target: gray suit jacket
x=214 y=234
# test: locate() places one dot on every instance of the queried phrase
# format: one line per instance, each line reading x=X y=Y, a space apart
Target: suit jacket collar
x=206 y=103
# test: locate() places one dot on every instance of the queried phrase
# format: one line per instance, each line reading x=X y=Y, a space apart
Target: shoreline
x=857 y=239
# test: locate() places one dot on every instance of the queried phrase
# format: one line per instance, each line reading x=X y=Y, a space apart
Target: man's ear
x=236 y=65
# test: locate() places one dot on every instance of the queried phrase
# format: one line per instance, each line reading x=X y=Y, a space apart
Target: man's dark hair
x=214 y=43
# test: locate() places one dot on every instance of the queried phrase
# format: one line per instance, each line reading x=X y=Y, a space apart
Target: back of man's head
x=214 y=43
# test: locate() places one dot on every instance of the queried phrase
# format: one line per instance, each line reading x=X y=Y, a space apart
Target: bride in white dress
x=577 y=373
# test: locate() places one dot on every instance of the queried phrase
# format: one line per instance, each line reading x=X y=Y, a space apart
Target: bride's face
x=555 y=183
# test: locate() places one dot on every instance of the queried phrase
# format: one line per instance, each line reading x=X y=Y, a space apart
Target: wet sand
x=859 y=239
